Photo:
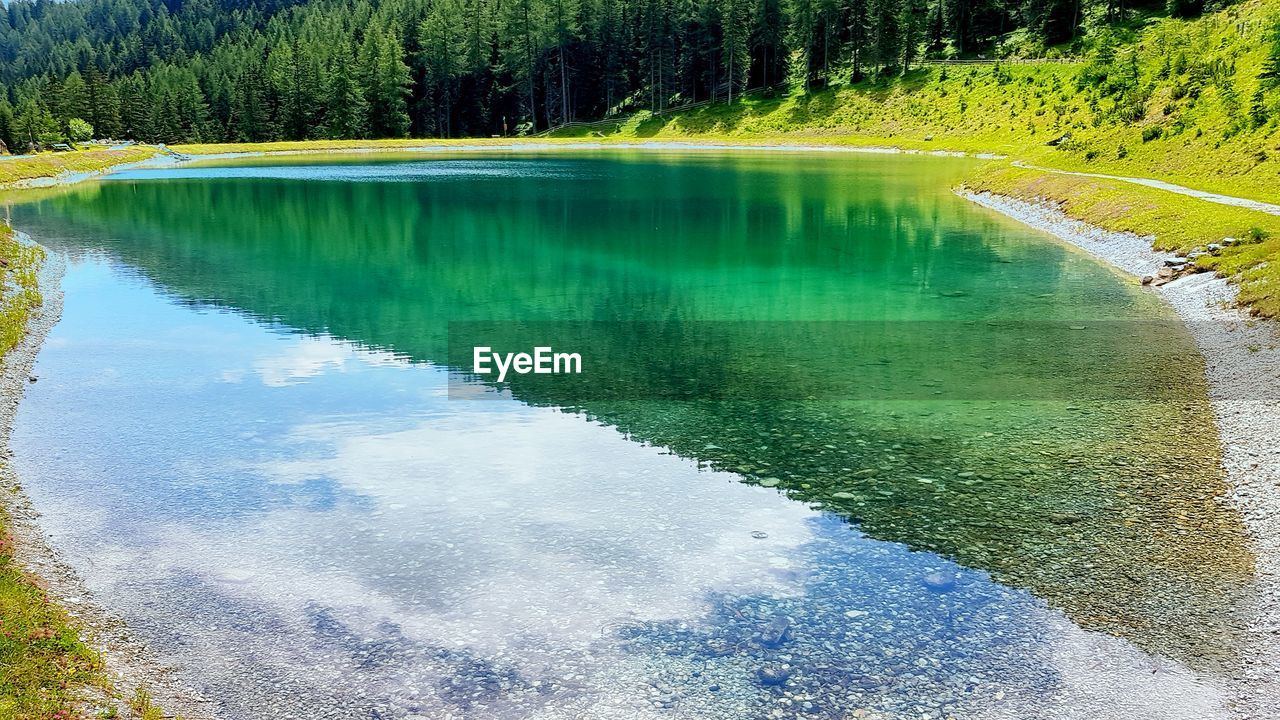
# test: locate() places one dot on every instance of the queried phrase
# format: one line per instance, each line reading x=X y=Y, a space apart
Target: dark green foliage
x=257 y=70
x=1184 y=8
x=1271 y=66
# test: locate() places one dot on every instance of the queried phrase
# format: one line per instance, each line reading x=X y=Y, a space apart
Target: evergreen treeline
x=255 y=70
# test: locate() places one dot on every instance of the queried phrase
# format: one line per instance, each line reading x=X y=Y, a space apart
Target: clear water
x=252 y=439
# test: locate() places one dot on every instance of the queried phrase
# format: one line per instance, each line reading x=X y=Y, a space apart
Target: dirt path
x=1269 y=208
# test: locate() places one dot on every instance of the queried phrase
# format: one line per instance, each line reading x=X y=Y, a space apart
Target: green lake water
x=836 y=426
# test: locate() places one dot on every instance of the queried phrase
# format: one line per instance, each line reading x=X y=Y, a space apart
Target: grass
x=48 y=165
x=1177 y=222
x=43 y=661
x=143 y=707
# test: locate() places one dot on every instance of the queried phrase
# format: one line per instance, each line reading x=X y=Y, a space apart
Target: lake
x=844 y=445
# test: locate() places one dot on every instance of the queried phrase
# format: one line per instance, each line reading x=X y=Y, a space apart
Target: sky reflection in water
x=309 y=529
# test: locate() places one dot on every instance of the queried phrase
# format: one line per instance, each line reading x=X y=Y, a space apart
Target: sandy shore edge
x=1242 y=365
x=128 y=665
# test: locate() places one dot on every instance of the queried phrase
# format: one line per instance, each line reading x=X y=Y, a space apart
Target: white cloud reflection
x=308 y=356
x=527 y=538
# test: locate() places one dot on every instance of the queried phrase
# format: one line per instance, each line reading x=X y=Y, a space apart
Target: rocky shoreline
x=128 y=666
x=1242 y=366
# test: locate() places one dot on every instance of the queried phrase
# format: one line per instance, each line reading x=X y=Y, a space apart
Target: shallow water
x=855 y=445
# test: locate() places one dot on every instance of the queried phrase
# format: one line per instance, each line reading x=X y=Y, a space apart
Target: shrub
x=78 y=130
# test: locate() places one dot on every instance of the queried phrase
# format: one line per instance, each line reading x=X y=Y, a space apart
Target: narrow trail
x=1266 y=207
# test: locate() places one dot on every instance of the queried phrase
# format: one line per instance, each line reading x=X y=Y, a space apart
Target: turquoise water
x=255 y=440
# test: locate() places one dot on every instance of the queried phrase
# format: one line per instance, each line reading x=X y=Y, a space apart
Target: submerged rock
x=773 y=675
x=940 y=581
x=777 y=632
x=1065 y=517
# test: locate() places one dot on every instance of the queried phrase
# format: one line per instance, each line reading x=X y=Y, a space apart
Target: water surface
x=856 y=445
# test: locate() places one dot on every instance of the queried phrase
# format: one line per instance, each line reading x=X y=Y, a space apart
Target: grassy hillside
x=1178 y=100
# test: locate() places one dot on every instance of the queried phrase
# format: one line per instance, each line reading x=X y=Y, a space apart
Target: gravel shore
x=1242 y=365
x=128 y=666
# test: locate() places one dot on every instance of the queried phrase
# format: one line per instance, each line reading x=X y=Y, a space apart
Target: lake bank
x=49 y=169
x=79 y=654
x=1242 y=356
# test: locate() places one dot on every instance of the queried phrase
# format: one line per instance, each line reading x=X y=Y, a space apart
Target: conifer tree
x=386 y=80
x=346 y=113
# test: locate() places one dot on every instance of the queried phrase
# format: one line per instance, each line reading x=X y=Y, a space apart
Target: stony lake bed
x=858 y=448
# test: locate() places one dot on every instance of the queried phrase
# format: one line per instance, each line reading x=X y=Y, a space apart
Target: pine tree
x=441 y=37
x=801 y=37
x=135 y=109
x=767 y=42
x=735 y=17
x=104 y=104
x=914 y=15
x=346 y=112
x=886 y=36
x=294 y=81
x=250 y=111
x=74 y=99
x=8 y=128
x=1270 y=74
x=858 y=30
x=566 y=30
x=36 y=126
x=386 y=81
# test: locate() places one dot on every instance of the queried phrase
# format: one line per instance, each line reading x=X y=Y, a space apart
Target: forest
x=174 y=71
